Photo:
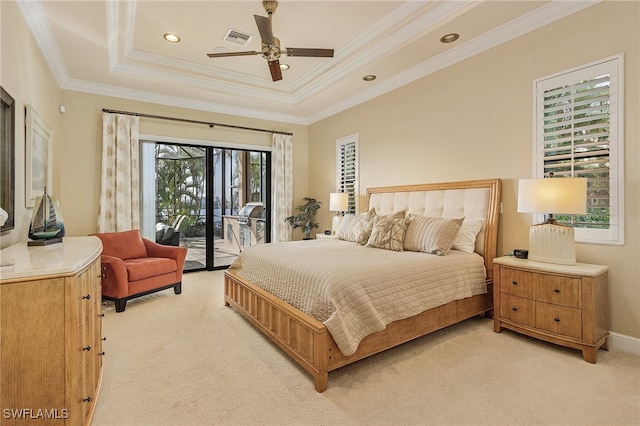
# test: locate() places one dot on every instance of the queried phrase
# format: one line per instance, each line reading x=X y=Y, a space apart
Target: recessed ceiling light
x=284 y=66
x=449 y=38
x=369 y=77
x=171 y=38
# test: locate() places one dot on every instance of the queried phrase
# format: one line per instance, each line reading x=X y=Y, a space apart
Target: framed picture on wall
x=38 y=157
x=7 y=161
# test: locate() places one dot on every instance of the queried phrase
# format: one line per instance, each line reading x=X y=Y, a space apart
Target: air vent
x=237 y=37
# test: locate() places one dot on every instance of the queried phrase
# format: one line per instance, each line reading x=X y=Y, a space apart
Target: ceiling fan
x=271 y=45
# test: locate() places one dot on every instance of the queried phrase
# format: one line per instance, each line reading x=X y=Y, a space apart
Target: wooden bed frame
x=308 y=341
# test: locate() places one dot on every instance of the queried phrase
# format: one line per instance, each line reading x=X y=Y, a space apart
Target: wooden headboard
x=471 y=199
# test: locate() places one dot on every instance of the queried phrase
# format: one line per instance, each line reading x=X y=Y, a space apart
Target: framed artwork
x=38 y=157
x=7 y=160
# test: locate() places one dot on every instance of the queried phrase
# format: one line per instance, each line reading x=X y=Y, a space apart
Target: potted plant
x=304 y=218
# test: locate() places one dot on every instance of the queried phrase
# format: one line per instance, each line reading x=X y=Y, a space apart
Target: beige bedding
x=356 y=290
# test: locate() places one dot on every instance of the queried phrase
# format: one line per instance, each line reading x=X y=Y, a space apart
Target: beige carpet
x=189 y=360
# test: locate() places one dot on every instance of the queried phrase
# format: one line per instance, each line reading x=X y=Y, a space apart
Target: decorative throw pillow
x=434 y=235
x=466 y=239
x=364 y=226
x=356 y=227
x=388 y=231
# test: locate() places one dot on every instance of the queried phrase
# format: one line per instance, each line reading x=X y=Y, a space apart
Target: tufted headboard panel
x=475 y=199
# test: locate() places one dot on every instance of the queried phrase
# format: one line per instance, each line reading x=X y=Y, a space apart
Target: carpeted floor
x=189 y=360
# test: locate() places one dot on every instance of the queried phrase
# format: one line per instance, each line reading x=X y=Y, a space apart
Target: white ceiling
x=116 y=48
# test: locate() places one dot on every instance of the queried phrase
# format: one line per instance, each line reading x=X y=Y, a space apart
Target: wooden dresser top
x=64 y=259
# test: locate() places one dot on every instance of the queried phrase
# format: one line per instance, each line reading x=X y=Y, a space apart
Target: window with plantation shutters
x=579 y=134
x=347 y=169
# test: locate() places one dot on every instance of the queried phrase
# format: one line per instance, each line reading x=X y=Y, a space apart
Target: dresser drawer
x=518 y=309
x=559 y=319
x=517 y=283
x=559 y=290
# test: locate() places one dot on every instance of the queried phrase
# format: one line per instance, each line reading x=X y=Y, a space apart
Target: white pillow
x=466 y=239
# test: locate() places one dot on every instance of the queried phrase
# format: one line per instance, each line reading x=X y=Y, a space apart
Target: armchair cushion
x=139 y=269
x=124 y=245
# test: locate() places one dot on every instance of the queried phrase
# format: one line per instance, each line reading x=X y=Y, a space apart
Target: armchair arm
x=179 y=254
x=115 y=280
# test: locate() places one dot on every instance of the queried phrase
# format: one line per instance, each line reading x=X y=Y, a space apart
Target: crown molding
x=36 y=19
x=302 y=89
x=182 y=102
x=534 y=20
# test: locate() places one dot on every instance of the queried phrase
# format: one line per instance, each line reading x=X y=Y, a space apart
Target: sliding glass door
x=193 y=197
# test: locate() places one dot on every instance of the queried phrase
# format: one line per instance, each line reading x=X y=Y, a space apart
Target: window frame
x=615 y=66
x=343 y=182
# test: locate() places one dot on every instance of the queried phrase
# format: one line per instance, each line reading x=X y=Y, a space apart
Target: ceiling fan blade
x=276 y=72
x=264 y=27
x=312 y=53
x=222 y=55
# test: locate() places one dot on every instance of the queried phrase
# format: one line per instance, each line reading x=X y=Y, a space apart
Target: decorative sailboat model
x=46 y=225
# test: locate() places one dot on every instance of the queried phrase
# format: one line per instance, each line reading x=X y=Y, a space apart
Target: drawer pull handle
x=557 y=290
x=87 y=348
x=87 y=297
x=514 y=282
x=556 y=319
x=104 y=339
x=101 y=315
x=514 y=309
x=101 y=353
x=87 y=399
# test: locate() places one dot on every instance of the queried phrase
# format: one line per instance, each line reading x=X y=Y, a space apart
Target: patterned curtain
x=120 y=179
x=282 y=186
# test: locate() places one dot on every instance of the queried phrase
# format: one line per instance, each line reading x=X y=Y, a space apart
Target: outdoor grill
x=250 y=211
x=251 y=222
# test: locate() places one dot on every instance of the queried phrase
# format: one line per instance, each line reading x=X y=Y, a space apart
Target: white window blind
x=579 y=134
x=347 y=169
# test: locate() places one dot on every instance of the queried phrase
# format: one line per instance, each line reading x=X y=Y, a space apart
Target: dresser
x=565 y=305
x=51 y=332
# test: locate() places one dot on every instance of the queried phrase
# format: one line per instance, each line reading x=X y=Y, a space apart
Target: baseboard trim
x=624 y=343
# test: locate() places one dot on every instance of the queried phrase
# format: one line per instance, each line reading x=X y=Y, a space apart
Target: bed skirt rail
x=302 y=337
x=307 y=340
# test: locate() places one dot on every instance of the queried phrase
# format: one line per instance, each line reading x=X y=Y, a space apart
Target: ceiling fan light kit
x=271 y=45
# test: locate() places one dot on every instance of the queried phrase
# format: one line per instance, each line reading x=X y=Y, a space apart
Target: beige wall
x=471 y=120
x=82 y=133
x=474 y=120
x=25 y=75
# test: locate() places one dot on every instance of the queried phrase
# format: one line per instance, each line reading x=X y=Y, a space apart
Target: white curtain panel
x=282 y=186
x=120 y=178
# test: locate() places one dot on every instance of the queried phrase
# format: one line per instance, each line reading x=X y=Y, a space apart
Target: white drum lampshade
x=338 y=202
x=550 y=241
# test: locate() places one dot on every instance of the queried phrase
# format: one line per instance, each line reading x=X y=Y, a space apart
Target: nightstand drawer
x=559 y=319
x=518 y=309
x=560 y=290
x=517 y=283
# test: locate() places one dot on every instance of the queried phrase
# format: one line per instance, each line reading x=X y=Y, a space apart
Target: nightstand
x=565 y=305
x=321 y=236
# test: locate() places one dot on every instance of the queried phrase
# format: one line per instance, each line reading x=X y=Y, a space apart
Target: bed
x=321 y=335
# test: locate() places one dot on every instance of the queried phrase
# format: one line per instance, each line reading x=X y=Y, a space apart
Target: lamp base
x=551 y=243
x=335 y=223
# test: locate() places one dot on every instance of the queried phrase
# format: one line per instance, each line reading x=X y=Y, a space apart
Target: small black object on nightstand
x=521 y=253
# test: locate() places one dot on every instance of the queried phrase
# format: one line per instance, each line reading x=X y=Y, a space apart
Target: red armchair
x=133 y=266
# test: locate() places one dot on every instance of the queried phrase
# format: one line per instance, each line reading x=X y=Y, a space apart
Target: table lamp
x=551 y=241
x=338 y=202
